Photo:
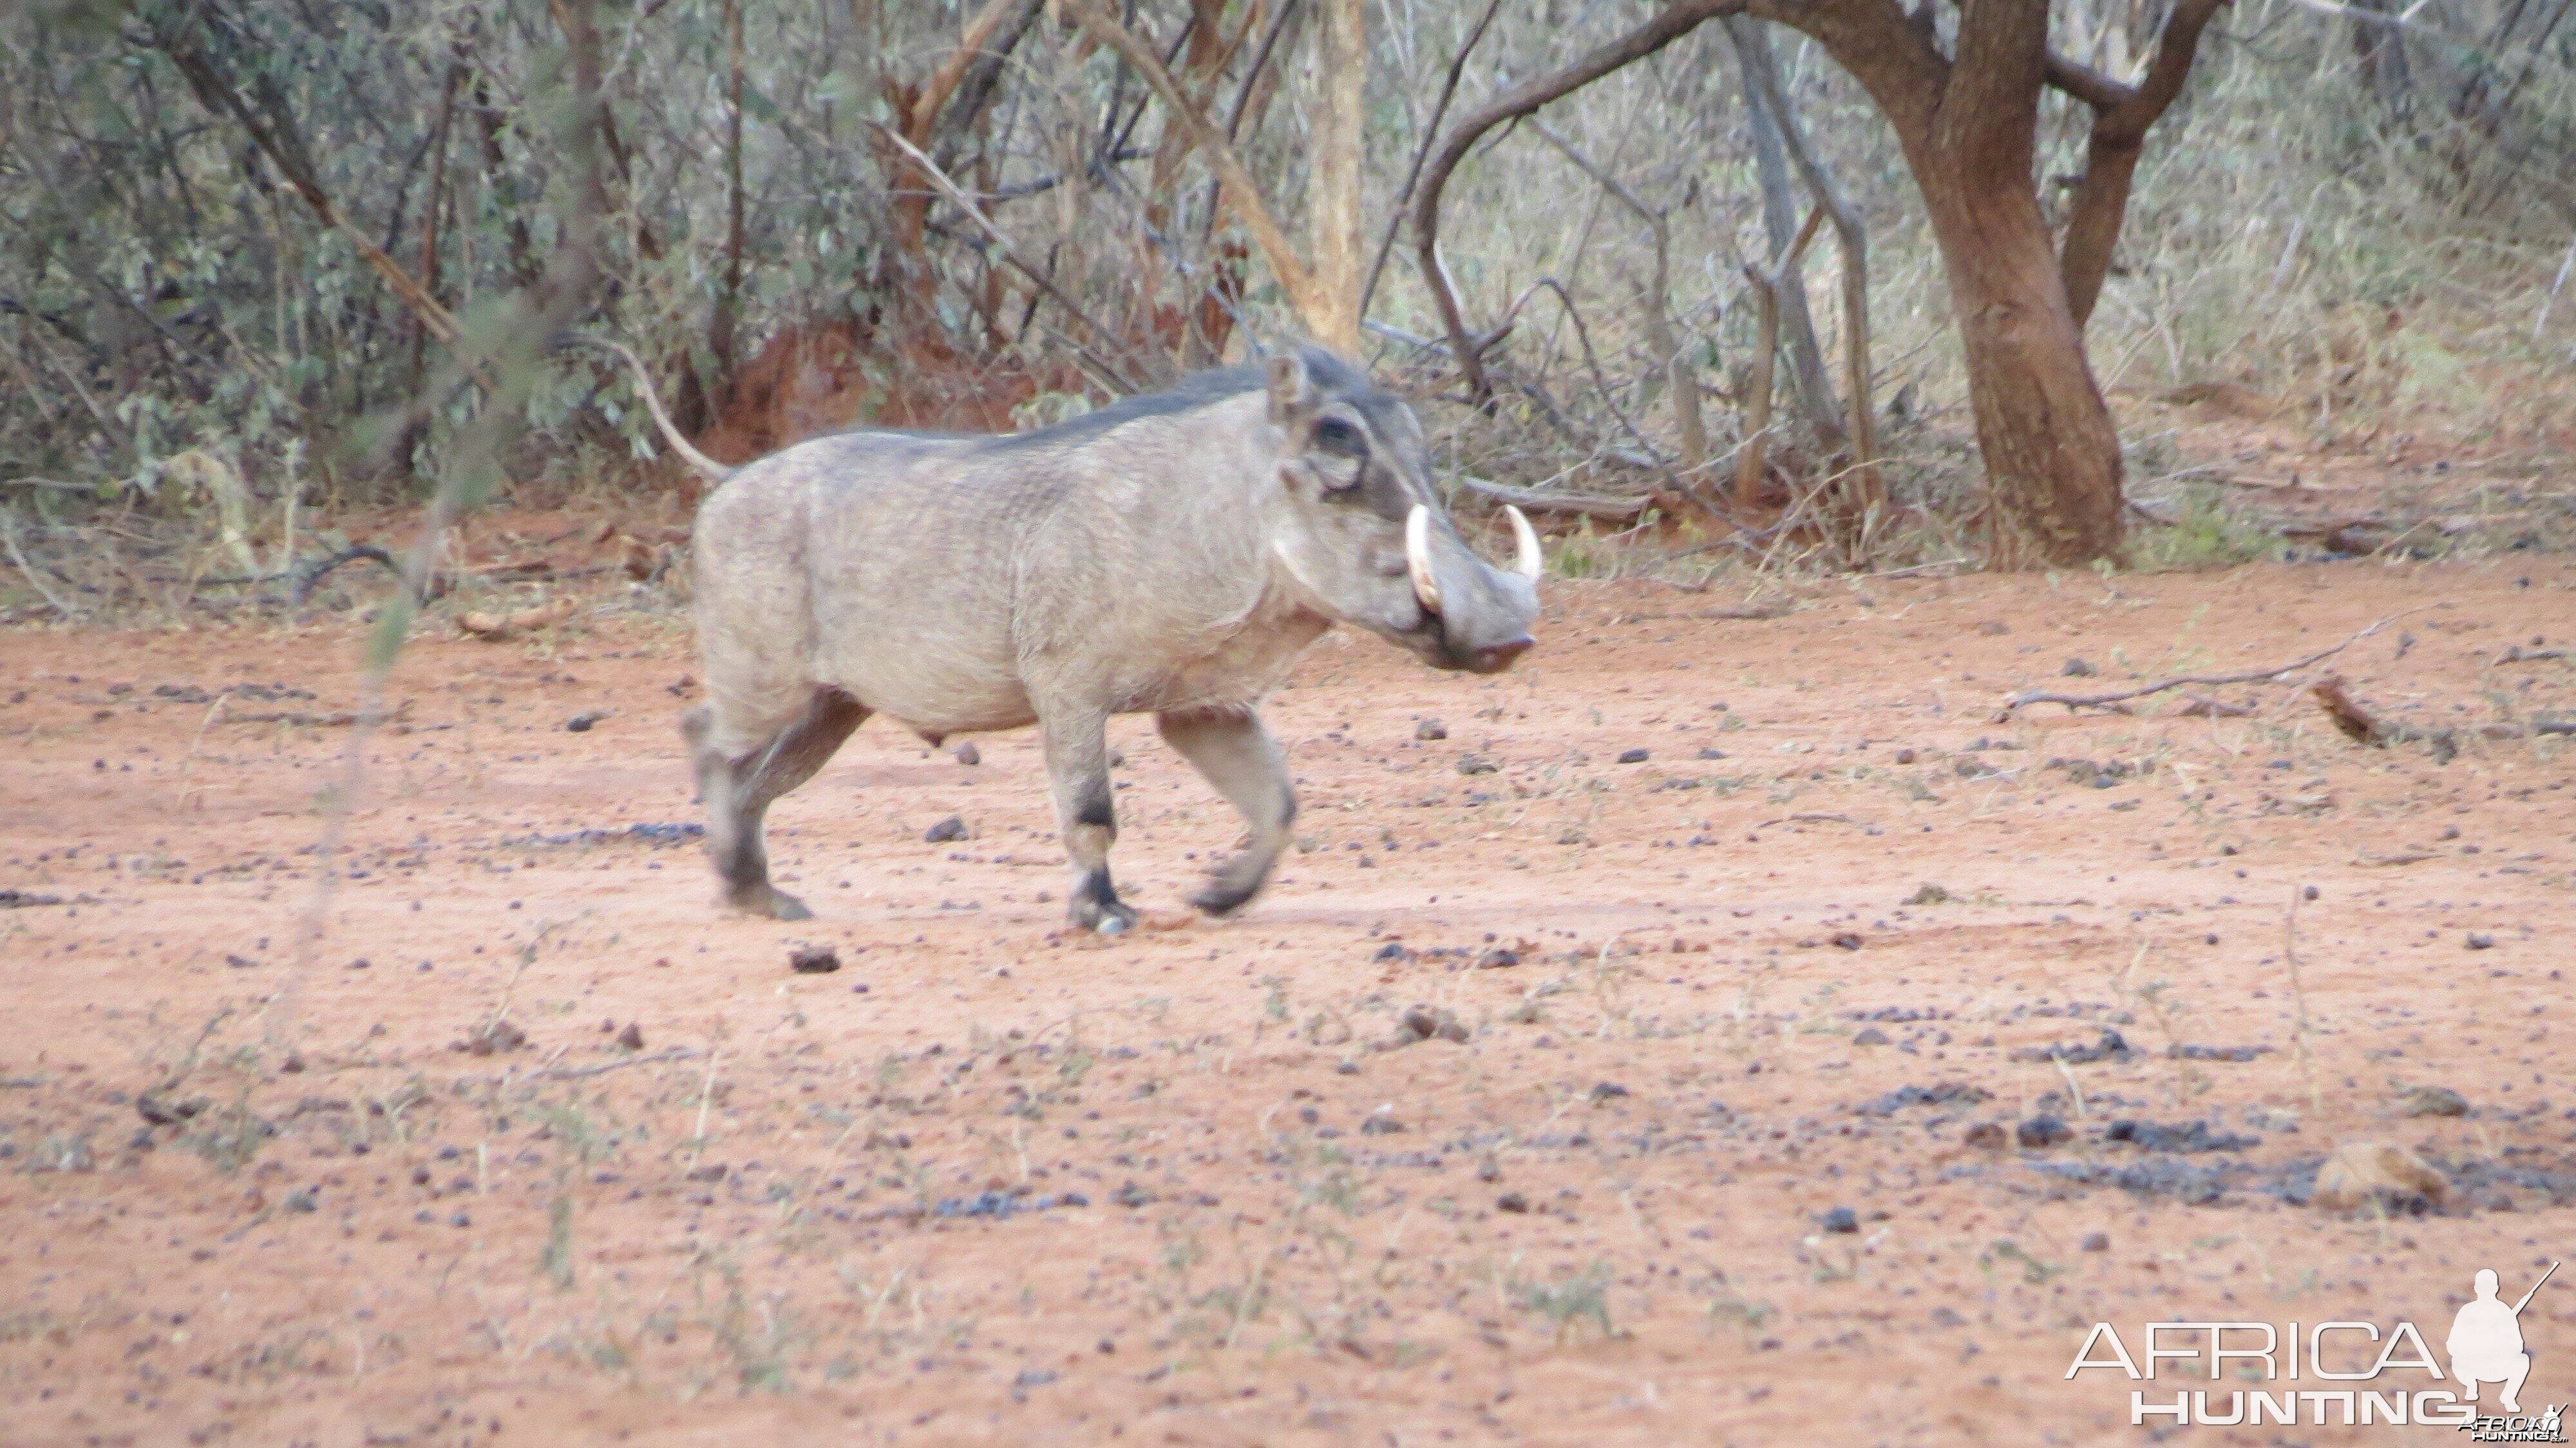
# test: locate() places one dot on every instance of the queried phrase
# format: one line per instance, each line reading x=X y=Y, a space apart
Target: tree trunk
x=1752 y=44
x=2052 y=455
x=1334 y=241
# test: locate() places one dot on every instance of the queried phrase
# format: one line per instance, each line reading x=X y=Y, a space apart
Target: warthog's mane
x=1198 y=390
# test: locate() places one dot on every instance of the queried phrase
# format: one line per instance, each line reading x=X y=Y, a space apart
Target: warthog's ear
x=1292 y=388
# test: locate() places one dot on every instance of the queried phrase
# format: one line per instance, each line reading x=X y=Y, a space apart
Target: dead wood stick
x=1590 y=504
x=574 y=1073
x=2251 y=676
x=340 y=720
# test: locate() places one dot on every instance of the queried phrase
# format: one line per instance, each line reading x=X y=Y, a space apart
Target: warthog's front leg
x=1245 y=764
x=1077 y=761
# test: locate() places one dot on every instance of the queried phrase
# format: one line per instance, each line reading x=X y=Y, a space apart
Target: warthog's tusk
x=1530 y=564
x=1417 y=557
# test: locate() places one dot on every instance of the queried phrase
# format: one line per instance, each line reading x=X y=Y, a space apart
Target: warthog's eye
x=1337 y=438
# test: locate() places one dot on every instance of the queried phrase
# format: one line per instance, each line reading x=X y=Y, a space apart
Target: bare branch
x=2111 y=159
x=1670 y=24
x=1285 y=263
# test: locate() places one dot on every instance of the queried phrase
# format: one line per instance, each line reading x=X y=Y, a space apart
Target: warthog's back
x=931 y=577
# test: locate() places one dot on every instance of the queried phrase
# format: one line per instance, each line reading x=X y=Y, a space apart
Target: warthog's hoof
x=1104 y=917
x=768 y=901
x=1229 y=889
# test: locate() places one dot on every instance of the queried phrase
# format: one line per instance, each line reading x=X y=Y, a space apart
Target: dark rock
x=1512 y=1202
x=1632 y=756
x=2097 y=1242
x=2188 y=1137
x=713 y=1171
x=969 y=755
x=1471 y=764
x=2078 y=669
x=2434 y=1101
x=2477 y=941
x=814 y=960
x=1930 y=894
x=1391 y=952
x=1711 y=754
x=632 y=1038
x=580 y=723
x=1608 y=1091
x=1430 y=729
x=2042 y=1132
x=951 y=828
x=1840 y=1219
x=1870 y=1036
x=301 y=1200
x=1905 y=756
x=1497 y=958
x=2111 y=1047
x=2180 y=1052
x=1131 y=1196
x=1845 y=940
x=1422 y=1023
x=1948 y=1093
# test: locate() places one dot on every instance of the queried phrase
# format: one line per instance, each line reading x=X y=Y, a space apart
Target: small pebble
x=1840 y=1219
x=1632 y=756
x=814 y=960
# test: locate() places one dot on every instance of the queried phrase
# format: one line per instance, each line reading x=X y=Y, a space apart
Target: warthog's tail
x=707 y=467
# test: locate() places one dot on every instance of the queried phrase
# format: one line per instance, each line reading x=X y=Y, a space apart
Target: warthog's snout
x=1475 y=617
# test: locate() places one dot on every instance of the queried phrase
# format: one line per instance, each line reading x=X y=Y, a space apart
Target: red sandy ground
x=1294 y=1231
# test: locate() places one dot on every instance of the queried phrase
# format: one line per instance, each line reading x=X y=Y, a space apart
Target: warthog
x=1171 y=555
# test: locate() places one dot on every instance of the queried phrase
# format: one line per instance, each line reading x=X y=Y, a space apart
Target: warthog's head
x=1366 y=534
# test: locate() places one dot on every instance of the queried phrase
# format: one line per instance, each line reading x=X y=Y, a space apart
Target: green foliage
x=2206 y=533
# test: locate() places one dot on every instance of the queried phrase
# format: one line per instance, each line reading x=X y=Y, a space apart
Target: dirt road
x=1651 y=1045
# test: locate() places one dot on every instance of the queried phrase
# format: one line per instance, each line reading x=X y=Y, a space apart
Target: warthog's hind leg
x=1238 y=756
x=1077 y=760
x=738 y=790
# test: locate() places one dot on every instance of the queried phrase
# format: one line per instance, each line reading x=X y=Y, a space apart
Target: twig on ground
x=2204 y=707
x=313 y=577
x=2251 y=676
x=576 y=1073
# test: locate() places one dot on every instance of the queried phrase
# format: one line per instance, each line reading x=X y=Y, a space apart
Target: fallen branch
x=2362 y=727
x=340 y=720
x=313 y=578
x=493 y=627
x=1538 y=500
x=2204 y=707
x=2252 y=676
x=575 y=1073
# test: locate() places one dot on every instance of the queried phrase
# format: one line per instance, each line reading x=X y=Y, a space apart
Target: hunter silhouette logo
x=2486 y=1340
x=2363 y=1376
